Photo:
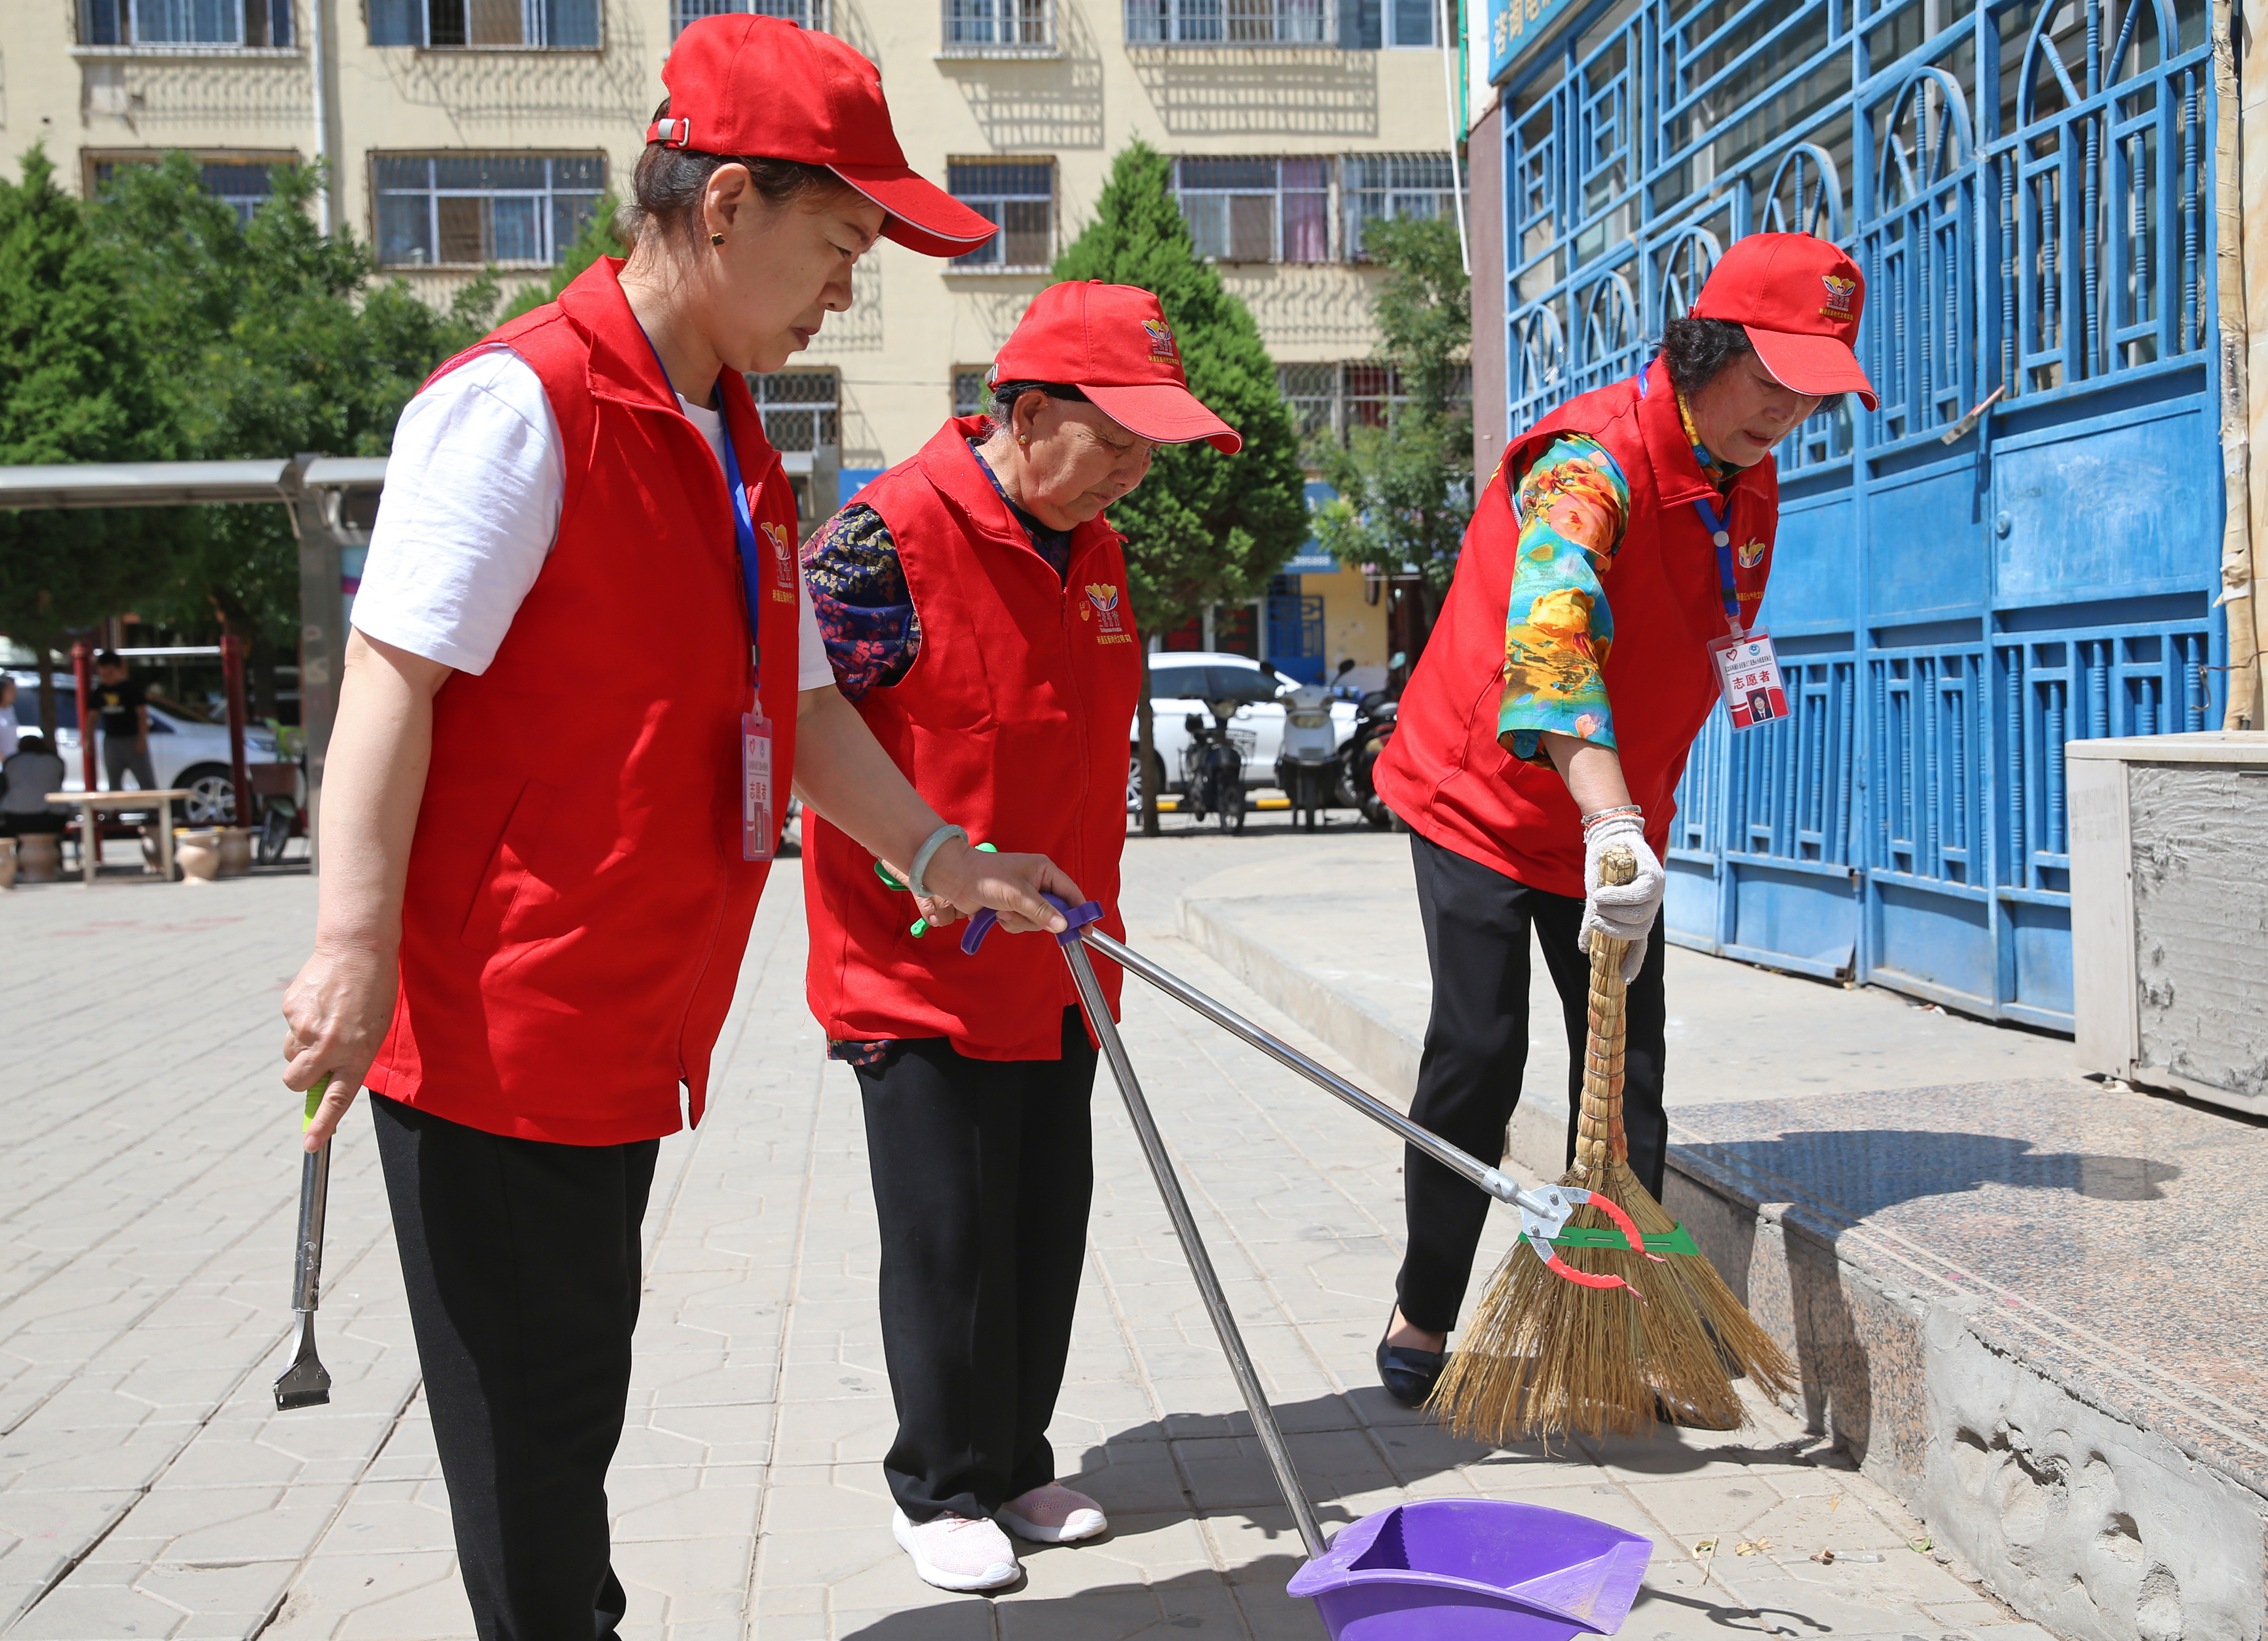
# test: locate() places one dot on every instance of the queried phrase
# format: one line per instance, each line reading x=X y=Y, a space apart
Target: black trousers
x=1477 y=931
x=983 y=1172
x=522 y=1260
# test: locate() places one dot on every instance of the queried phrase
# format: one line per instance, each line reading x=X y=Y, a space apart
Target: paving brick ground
x=149 y=1488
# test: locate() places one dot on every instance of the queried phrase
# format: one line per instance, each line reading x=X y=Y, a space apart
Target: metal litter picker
x=306 y=1383
x=1440 y=1570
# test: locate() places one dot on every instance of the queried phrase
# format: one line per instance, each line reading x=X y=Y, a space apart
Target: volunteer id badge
x=759 y=825
x=1747 y=676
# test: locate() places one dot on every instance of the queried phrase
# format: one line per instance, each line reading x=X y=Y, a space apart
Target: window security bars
x=1229 y=22
x=1368 y=25
x=1018 y=195
x=800 y=409
x=803 y=13
x=1331 y=400
x=968 y=397
x=973 y=25
x=243 y=185
x=1393 y=186
x=553 y=25
x=2025 y=192
x=1257 y=210
x=220 y=24
x=466 y=210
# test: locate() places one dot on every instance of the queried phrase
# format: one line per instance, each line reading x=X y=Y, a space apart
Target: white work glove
x=1622 y=911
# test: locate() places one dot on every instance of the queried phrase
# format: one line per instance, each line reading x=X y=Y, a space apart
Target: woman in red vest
x=1605 y=602
x=583 y=677
x=974 y=601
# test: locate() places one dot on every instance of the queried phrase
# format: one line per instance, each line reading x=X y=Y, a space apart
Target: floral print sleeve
x=858 y=593
x=1573 y=504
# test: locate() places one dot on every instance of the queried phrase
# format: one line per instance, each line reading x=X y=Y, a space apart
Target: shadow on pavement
x=1864 y=1170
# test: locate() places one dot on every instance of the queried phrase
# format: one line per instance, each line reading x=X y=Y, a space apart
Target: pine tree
x=1405 y=489
x=73 y=388
x=1203 y=528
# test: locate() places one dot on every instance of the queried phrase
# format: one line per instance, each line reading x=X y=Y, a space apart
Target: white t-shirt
x=471 y=510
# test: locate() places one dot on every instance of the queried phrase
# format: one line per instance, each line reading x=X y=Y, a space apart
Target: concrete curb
x=2030 y=1453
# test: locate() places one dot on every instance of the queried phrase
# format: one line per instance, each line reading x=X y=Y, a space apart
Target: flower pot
x=38 y=857
x=197 y=851
x=236 y=850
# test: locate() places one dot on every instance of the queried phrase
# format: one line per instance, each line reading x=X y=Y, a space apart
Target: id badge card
x=1748 y=677
x=759 y=806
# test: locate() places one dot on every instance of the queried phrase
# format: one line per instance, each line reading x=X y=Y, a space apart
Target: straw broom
x=1543 y=1355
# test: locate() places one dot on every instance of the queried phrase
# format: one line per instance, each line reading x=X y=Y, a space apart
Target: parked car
x=185 y=751
x=1182 y=682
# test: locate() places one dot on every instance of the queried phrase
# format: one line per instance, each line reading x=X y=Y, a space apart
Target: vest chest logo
x=1752 y=554
x=1102 y=607
x=783 y=560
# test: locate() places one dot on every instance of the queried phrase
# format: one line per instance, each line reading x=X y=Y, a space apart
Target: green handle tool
x=920 y=924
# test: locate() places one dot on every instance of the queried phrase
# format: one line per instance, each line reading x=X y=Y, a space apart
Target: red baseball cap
x=1798 y=299
x=743 y=85
x=1112 y=342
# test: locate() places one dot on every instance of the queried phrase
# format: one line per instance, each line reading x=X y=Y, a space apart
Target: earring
x=1023 y=438
x=715 y=238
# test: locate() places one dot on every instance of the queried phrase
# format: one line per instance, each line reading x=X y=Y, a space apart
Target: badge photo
x=1749 y=680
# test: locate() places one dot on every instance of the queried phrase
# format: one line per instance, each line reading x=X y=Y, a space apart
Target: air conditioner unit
x=2169 y=911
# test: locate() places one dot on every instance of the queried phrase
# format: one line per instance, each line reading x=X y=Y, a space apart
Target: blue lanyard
x=1720 y=533
x=745 y=528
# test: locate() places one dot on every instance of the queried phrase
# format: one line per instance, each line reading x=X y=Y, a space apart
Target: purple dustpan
x=1475 y=1570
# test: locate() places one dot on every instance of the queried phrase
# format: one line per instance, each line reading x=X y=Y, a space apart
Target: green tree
x=267 y=338
x=1405 y=489
x=1204 y=528
x=74 y=387
x=598 y=238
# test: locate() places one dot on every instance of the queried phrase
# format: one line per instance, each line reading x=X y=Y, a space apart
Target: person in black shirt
x=123 y=703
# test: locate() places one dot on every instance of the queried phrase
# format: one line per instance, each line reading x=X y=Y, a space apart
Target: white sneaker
x=956 y=1553
x=1054 y=1515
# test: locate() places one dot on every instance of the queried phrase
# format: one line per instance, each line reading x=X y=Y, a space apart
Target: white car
x=185 y=752
x=1181 y=681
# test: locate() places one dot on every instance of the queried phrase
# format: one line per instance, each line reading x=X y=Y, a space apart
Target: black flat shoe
x=1409 y=1375
x=1675 y=1413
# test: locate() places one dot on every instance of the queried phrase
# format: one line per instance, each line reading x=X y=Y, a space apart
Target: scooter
x=1306 y=768
x=1213 y=767
x=1374 y=727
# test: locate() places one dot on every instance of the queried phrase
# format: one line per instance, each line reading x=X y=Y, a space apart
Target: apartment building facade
x=466 y=134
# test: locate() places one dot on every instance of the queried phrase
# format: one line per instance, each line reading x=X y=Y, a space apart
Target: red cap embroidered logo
x=1161 y=338
x=1839 y=293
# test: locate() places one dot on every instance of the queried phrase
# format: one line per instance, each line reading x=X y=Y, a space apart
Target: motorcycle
x=1212 y=767
x=1306 y=768
x=1374 y=727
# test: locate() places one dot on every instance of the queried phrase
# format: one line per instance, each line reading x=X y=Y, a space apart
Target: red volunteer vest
x=1444 y=773
x=577 y=905
x=1011 y=722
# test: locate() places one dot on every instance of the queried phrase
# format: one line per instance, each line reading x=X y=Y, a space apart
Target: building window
x=1018 y=195
x=799 y=408
x=237 y=181
x=1393 y=186
x=1256 y=210
x=802 y=14
x=1369 y=25
x=974 y=24
x=1328 y=401
x=528 y=25
x=969 y=395
x=465 y=210
x=220 y=23
x=1227 y=23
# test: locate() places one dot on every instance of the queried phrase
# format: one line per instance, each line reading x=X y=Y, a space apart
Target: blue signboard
x=1516 y=24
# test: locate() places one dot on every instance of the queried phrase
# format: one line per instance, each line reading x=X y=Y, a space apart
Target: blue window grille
x=467 y=211
x=523 y=25
x=803 y=13
x=219 y=23
x=2027 y=190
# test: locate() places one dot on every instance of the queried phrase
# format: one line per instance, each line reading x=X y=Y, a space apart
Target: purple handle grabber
x=1076 y=917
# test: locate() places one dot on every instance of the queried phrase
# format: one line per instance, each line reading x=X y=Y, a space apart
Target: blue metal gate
x=2028 y=188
